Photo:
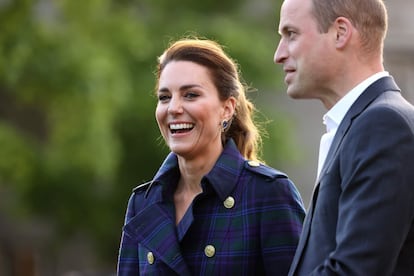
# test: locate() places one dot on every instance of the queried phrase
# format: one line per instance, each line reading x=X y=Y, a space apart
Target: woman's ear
x=229 y=108
x=343 y=30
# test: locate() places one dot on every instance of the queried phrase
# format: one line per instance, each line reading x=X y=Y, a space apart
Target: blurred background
x=77 y=126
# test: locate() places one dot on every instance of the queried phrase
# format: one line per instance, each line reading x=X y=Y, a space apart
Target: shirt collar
x=334 y=116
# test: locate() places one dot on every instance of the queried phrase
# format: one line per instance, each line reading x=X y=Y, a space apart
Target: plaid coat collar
x=223 y=177
x=154 y=226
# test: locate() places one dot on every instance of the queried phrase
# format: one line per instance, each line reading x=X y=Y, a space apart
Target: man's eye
x=291 y=34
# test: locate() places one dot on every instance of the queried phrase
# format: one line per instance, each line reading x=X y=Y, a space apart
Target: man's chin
x=293 y=93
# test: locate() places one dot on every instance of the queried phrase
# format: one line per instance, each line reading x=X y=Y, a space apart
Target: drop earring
x=224 y=125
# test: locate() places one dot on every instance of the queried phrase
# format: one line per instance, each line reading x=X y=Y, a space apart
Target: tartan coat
x=246 y=221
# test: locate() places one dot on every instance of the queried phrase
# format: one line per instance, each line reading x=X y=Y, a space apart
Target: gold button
x=209 y=251
x=253 y=163
x=229 y=202
x=150 y=258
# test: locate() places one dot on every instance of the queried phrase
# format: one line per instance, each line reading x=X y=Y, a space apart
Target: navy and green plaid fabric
x=256 y=236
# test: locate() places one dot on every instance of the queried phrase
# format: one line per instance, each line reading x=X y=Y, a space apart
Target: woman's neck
x=192 y=170
x=189 y=184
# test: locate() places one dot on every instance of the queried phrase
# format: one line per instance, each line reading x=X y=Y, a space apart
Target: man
x=361 y=216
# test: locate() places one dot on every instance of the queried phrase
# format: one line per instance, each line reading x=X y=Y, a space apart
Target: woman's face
x=189 y=112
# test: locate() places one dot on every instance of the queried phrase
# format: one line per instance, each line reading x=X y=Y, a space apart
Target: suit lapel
x=154 y=229
x=364 y=100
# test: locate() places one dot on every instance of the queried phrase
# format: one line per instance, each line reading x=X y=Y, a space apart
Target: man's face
x=304 y=52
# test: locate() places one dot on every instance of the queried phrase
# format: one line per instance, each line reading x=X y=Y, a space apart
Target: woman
x=212 y=208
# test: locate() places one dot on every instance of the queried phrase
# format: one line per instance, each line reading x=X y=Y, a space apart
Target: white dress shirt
x=334 y=116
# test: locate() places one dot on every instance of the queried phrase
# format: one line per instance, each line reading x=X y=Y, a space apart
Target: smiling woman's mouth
x=181 y=128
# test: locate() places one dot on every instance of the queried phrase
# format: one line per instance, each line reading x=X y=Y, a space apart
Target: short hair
x=369 y=17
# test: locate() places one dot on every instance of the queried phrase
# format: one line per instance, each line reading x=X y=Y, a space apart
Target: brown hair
x=369 y=17
x=225 y=75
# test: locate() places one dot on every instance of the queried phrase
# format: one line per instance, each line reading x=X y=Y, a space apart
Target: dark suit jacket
x=360 y=220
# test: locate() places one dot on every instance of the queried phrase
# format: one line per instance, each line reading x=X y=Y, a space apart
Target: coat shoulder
x=142 y=187
x=258 y=168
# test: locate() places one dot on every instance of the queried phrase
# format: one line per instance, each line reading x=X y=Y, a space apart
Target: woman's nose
x=175 y=105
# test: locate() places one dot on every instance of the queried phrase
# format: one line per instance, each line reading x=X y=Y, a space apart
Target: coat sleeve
x=281 y=225
x=376 y=205
x=128 y=252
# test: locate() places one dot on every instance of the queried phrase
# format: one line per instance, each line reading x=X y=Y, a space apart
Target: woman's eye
x=191 y=95
x=163 y=98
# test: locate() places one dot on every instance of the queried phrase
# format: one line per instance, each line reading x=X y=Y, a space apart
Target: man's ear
x=343 y=30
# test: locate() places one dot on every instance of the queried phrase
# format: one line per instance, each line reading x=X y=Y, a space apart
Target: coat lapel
x=364 y=100
x=154 y=229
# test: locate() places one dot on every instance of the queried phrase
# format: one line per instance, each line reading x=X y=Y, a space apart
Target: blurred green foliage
x=77 y=127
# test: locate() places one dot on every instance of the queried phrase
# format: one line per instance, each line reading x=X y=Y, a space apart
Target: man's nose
x=280 y=53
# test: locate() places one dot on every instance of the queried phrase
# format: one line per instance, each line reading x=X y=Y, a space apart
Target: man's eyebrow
x=284 y=29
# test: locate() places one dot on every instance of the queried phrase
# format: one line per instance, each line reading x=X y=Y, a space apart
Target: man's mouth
x=289 y=70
